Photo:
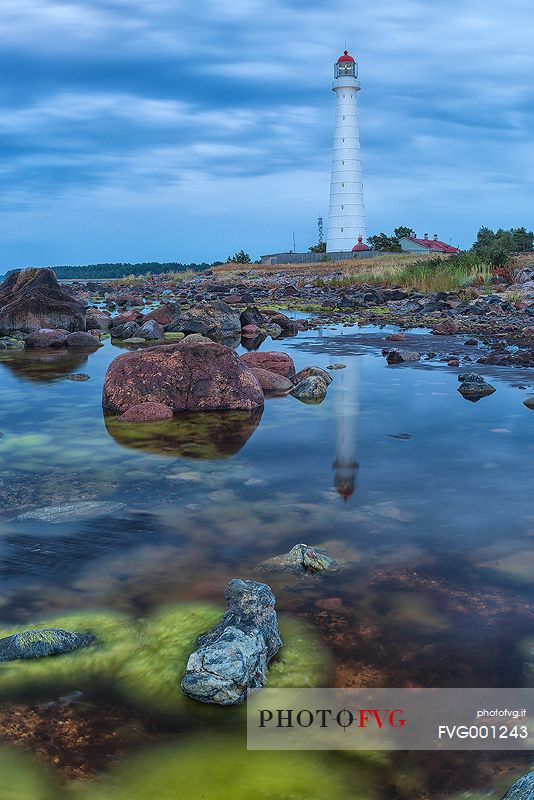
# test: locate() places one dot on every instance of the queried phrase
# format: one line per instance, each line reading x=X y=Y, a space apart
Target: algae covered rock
x=41 y=643
x=233 y=657
x=310 y=390
x=94 y=665
x=222 y=768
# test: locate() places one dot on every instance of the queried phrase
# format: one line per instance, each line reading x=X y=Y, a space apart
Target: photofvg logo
x=325 y=717
x=389 y=719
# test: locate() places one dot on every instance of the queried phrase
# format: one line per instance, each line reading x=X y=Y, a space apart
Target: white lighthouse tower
x=346 y=220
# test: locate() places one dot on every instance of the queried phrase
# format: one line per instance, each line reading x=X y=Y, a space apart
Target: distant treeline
x=123 y=270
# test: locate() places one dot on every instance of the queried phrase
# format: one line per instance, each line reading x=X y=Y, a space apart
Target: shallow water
x=435 y=538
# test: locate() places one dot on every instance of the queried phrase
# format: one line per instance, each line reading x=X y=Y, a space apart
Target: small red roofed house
x=411 y=244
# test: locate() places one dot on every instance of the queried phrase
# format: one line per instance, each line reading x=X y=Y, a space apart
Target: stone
x=474 y=388
x=453 y=362
x=146 y=412
x=337 y=366
x=471 y=342
x=47 y=338
x=10 y=343
x=289 y=326
x=272 y=383
x=471 y=377
x=164 y=314
x=83 y=340
x=250 y=331
x=301 y=559
x=126 y=330
x=252 y=316
x=446 y=327
x=310 y=390
x=280 y=363
x=32 y=299
x=195 y=374
x=523 y=789
x=94 y=318
x=529 y=402
x=152 y=331
x=72 y=512
x=215 y=320
x=396 y=337
x=41 y=642
x=307 y=371
x=402 y=356
x=274 y=331
x=78 y=377
x=233 y=656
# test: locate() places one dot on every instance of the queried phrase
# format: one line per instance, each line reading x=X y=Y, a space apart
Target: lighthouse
x=346 y=220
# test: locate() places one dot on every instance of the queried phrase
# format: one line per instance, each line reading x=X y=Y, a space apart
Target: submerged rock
x=473 y=387
x=71 y=512
x=41 y=642
x=337 y=365
x=523 y=789
x=402 y=356
x=195 y=374
x=310 y=390
x=301 y=559
x=233 y=656
x=529 y=402
x=32 y=299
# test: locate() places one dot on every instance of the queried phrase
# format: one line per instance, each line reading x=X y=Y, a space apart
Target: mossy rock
x=22 y=779
x=92 y=666
x=211 y=769
x=151 y=678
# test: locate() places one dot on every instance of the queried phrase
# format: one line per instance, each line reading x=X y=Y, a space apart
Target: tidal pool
x=424 y=497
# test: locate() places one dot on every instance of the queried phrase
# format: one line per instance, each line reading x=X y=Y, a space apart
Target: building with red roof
x=412 y=244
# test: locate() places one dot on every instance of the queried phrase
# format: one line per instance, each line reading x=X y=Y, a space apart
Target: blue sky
x=170 y=130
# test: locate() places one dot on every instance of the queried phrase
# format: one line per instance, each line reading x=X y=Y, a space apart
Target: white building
x=346 y=220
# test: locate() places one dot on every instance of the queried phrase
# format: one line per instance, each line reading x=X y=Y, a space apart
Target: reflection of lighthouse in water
x=346 y=465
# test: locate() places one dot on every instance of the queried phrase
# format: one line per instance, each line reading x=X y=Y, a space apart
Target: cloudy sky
x=136 y=130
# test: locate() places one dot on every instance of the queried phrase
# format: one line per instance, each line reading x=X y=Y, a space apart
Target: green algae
x=151 y=677
x=22 y=779
x=210 y=768
x=90 y=667
x=303 y=661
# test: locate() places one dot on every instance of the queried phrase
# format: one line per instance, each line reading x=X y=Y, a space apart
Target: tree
x=514 y=240
x=318 y=248
x=389 y=243
x=402 y=231
x=240 y=258
x=384 y=242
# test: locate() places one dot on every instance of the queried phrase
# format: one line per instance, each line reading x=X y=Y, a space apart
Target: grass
x=445 y=274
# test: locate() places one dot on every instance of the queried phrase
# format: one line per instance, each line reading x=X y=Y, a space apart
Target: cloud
x=115 y=104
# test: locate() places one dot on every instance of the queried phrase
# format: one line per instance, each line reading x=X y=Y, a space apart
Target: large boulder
x=233 y=656
x=289 y=326
x=272 y=362
x=215 y=320
x=32 y=299
x=195 y=374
